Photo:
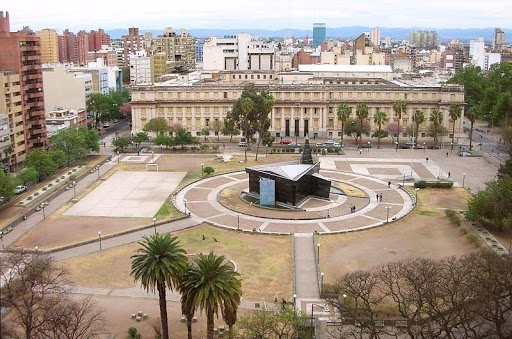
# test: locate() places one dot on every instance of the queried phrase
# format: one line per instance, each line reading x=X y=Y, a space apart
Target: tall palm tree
x=455 y=113
x=380 y=118
x=399 y=107
x=472 y=114
x=436 y=118
x=229 y=310
x=246 y=105
x=159 y=264
x=361 y=113
x=188 y=306
x=344 y=112
x=212 y=283
x=418 y=117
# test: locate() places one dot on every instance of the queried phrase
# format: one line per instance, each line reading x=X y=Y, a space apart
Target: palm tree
x=418 y=118
x=455 y=112
x=212 y=283
x=380 y=118
x=472 y=114
x=361 y=113
x=159 y=264
x=246 y=105
x=436 y=118
x=188 y=306
x=344 y=112
x=399 y=107
x=229 y=310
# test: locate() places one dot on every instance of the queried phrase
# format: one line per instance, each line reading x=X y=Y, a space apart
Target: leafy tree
x=121 y=142
x=263 y=104
x=164 y=140
x=472 y=115
x=72 y=143
x=493 y=204
x=158 y=265
x=157 y=125
x=399 y=107
x=217 y=127
x=246 y=105
x=58 y=157
x=343 y=111
x=472 y=79
x=212 y=283
x=436 y=119
x=362 y=115
x=6 y=185
x=183 y=138
x=380 y=118
x=125 y=110
x=205 y=131
x=91 y=138
x=41 y=161
x=394 y=130
x=455 y=113
x=418 y=118
x=139 y=138
x=353 y=128
x=133 y=333
x=29 y=174
x=103 y=107
x=230 y=126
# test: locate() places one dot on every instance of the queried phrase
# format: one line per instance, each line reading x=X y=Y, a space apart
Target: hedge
x=433 y=184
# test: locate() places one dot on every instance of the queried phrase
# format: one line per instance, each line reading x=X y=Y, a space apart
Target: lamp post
x=43 y=205
x=152 y=157
x=463 y=179
x=318 y=252
x=396 y=145
x=154 y=224
x=424 y=148
x=294 y=301
x=74 y=189
x=118 y=157
x=417 y=189
x=321 y=282
x=238 y=222
x=99 y=236
x=185 y=201
x=451 y=144
x=98 y=172
x=403 y=180
x=369 y=145
x=37 y=250
x=202 y=169
x=2 y=239
x=387 y=213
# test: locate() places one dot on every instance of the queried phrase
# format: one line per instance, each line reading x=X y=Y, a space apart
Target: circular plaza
x=218 y=200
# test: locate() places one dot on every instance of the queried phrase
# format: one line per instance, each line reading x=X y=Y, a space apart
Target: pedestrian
x=351 y=208
x=354 y=209
x=449 y=174
x=389 y=184
x=328 y=213
x=377 y=196
x=360 y=151
x=224 y=145
x=380 y=197
x=447 y=154
x=426 y=160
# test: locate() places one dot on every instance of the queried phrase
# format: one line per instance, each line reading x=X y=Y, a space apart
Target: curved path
x=202 y=200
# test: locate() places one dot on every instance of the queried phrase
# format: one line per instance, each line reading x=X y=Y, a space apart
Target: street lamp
x=74 y=189
x=99 y=236
x=152 y=157
x=154 y=224
x=321 y=282
x=238 y=222
x=43 y=205
x=387 y=214
x=417 y=189
x=98 y=172
x=118 y=157
x=369 y=147
x=2 y=239
x=294 y=300
x=202 y=168
x=424 y=148
x=318 y=252
x=463 y=179
x=451 y=151
x=403 y=180
x=37 y=249
x=185 y=201
x=396 y=144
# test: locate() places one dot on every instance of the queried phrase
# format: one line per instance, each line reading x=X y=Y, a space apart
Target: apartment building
x=60 y=119
x=423 y=39
x=20 y=52
x=65 y=88
x=13 y=150
x=498 y=40
x=49 y=45
x=97 y=39
x=179 y=48
x=132 y=43
x=239 y=52
x=301 y=109
x=140 y=69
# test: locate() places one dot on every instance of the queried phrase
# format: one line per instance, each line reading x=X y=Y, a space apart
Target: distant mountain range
x=443 y=34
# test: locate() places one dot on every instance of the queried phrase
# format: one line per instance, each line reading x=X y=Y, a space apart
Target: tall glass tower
x=319 y=34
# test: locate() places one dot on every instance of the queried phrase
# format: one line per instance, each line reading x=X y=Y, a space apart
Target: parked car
x=336 y=145
x=319 y=144
x=329 y=142
x=285 y=142
x=293 y=144
x=20 y=189
x=106 y=125
x=242 y=144
x=2 y=200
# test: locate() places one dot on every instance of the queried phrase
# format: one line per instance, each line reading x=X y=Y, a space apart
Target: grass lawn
x=264 y=262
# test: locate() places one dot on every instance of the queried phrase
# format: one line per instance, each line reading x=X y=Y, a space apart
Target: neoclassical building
x=301 y=109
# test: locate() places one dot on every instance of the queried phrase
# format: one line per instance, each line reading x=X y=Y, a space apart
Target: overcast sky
x=263 y=14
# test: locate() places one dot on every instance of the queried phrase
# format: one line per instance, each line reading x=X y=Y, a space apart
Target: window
x=225 y=95
x=207 y=122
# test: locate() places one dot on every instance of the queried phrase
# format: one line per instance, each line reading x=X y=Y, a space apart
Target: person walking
x=389 y=184
x=380 y=197
x=377 y=196
x=328 y=213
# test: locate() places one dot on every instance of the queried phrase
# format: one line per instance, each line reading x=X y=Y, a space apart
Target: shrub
x=292 y=150
x=36 y=194
x=208 y=170
x=420 y=184
x=215 y=147
x=301 y=150
x=205 y=147
x=193 y=148
x=453 y=216
x=45 y=188
x=433 y=184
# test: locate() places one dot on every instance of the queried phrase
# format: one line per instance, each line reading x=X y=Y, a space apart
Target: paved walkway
x=306 y=280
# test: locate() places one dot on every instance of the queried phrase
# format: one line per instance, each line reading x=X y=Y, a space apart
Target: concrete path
x=122 y=239
x=306 y=280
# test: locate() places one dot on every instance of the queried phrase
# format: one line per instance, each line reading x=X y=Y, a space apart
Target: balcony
x=37 y=76
x=37 y=132
x=35 y=95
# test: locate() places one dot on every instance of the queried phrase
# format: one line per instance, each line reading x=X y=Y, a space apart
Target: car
x=329 y=142
x=464 y=154
x=2 y=200
x=336 y=145
x=106 y=125
x=319 y=144
x=242 y=144
x=20 y=189
x=285 y=142
x=293 y=144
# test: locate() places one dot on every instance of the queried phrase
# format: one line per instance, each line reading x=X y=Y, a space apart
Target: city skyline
x=260 y=15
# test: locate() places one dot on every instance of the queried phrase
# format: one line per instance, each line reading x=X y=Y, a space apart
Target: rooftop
x=346 y=68
x=288 y=170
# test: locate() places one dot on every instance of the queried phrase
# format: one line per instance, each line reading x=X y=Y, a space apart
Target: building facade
x=423 y=39
x=20 y=52
x=319 y=34
x=375 y=37
x=13 y=152
x=498 y=40
x=49 y=45
x=179 y=48
x=63 y=88
x=140 y=70
x=300 y=109
x=132 y=43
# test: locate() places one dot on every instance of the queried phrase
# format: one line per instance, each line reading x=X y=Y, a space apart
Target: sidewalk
x=305 y=267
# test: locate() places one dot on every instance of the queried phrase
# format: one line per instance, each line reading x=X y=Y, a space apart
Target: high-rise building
x=498 y=40
x=82 y=47
x=65 y=89
x=180 y=49
x=67 y=49
x=477 y=52
x=97 y=39
x=375 y=36
x=20 y=52
x=158 y=65
x=423 y=39
x=13 y=150
x=319 y=34
x=49 y=45
x=132 y=43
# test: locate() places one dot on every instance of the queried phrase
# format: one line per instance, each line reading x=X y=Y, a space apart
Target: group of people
x=379 y=197
x=352 y=208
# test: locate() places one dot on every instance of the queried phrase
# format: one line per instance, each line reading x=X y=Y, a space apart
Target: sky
x=256 y=14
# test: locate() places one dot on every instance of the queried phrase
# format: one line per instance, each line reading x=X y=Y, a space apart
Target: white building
x=375 y=36
x=140 y=69
x=491 y=59
x=240 y=52
x=477 y=52
x=65 y=88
